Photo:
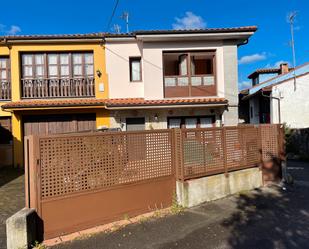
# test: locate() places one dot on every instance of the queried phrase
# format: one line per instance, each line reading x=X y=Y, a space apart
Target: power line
x=113 y=13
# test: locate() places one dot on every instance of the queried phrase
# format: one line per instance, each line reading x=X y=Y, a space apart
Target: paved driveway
x=267 y=218
x=12 y=197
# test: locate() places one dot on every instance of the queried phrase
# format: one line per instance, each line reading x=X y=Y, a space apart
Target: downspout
x=279 y=110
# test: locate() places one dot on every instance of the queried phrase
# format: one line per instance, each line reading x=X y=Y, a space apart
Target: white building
x=281 y=99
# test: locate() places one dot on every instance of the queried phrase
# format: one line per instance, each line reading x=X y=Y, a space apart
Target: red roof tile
x=128 y=102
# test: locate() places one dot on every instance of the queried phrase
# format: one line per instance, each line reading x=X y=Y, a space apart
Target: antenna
x=291 y=19
x=117 y=28
x=125 y=16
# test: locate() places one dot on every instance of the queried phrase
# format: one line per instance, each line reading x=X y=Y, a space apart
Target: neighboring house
x=280 y=99
x=142 y=80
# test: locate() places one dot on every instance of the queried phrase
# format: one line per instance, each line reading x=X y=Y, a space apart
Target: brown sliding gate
x=76 y=181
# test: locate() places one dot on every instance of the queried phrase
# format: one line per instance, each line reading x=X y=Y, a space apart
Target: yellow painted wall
x=14 y=52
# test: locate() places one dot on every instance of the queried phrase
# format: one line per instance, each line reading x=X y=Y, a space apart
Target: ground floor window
x=191 y=122
x=135 y=124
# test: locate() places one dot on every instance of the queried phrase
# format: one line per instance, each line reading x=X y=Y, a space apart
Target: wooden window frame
x=7 y=69
x=46 y=65
x=131 y=59
x=189 y=73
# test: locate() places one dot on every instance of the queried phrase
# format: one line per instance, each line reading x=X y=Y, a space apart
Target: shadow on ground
x=8 y=173
x=270 y=220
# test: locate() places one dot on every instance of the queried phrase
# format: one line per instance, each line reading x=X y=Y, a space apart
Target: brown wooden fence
x=76 y=181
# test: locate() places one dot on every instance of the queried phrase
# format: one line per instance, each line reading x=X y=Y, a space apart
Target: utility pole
x=291 y=19
x=125 y=16
x=116 y=28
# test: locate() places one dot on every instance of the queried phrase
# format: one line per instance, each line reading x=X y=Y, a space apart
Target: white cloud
x=244 y=84
x=189 y=21
x=248 y=59
x=12 y=30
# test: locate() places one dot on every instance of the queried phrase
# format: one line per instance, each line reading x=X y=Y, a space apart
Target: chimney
x=284 y=68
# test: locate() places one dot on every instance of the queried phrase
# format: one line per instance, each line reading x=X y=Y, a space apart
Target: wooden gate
x=83 y=180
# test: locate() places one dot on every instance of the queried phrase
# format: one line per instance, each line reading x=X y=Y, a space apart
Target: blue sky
x=267 y=48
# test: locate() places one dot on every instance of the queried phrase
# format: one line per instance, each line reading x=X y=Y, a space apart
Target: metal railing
x=58 y=88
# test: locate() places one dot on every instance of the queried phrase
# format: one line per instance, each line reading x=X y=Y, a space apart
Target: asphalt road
x=267 y=218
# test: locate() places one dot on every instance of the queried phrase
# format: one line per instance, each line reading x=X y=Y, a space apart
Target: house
x=141 y=80
x=279 y=99
x=183 y=78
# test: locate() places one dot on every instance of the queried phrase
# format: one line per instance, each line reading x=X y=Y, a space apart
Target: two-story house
x=142 y=80
x=176 y=78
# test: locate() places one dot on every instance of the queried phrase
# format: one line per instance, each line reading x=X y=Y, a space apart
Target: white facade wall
x=153 y=64
x=294 y=104
x=117 y=67
x=152 y=84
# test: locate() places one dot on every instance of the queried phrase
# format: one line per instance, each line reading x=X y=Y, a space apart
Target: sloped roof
x=102 y=35
x=106 y=103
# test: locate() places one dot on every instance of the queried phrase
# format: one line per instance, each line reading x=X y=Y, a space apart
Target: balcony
x=184 y=86
x=189 y=74
x=58 y=88
x=5 y=90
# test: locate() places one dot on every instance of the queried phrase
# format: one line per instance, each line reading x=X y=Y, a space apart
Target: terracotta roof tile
x=128 y=102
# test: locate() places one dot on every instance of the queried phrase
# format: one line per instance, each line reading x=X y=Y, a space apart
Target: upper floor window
x=57 y=75
x=189 y=73
x=5 y=75
x=135 y=69
x=4 y=69
x=57 y=65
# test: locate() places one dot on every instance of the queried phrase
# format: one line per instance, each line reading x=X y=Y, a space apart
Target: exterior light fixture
x=156 y=118
x=98 y=73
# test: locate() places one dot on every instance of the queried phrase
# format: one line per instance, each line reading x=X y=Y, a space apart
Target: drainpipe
x=278 y=99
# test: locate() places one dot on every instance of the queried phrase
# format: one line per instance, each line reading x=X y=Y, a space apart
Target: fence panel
x=89 y=179
x=211 y=151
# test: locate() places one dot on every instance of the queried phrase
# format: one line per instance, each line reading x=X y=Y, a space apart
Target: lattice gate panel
x=72 y=164
x=270 y=143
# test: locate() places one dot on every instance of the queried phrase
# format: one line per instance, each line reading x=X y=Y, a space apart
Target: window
x=191 y=122
x=135 y=69
x=135 y=124
x=189 y=73
x=4 y=69
x=57 y=65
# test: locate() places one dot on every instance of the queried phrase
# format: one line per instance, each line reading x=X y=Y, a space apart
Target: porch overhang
x=114 y=104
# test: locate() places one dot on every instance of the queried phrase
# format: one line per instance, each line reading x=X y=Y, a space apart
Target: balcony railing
x=5 y=90
x=185 y=86
x=58 y=88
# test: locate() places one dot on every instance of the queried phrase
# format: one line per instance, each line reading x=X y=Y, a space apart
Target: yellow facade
x=14 y=50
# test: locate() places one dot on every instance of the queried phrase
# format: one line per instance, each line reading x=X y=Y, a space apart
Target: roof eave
x=238 y=36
